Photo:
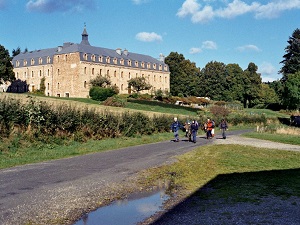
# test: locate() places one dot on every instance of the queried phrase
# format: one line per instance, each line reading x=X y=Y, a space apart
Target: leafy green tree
x=184 y=75
x=291 y=62
x=213 y=80
x=252 y=88
x=100 y=81
x=6 y=68
x=292 y=91
x=16 y=52
x=139 y=84
x=235 y=82
x=277 y=86
x=267 y=95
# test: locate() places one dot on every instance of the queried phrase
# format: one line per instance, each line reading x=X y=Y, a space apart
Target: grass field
x=233 y=172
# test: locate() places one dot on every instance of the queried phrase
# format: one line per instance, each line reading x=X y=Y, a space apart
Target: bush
x=219 y=112
x=101 y=94
x=115 y=101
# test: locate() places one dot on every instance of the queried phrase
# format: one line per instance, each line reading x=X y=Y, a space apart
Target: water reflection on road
x=130 y=211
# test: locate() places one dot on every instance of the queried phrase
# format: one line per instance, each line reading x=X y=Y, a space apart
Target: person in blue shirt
x=223 y=127
x=175 y=126
x=194 y=129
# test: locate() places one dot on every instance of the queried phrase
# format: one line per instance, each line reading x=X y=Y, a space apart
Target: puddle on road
x=130 y=211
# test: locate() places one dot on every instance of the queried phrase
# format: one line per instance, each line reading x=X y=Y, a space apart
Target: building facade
x=68 y=69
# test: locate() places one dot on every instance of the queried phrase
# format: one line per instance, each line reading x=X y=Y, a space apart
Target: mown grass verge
x=281 y=138
x=232 y=172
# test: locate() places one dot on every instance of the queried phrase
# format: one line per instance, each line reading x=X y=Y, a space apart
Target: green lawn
x=282 y=138
x=232 y=172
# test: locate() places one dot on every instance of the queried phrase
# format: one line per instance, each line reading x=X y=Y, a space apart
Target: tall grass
x=39 y=118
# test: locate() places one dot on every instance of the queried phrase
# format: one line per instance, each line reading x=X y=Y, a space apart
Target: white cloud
x=188 y=7
x=273 y=9
x=49 y=6
x=195 y=50
x=268 y=72
x=234 y=8
x=267 y=68
x=148 y=37
x=138 y=2
x=248 y=48
x=209 y=45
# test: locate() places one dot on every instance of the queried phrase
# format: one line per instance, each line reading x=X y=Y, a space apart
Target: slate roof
x=85 y=48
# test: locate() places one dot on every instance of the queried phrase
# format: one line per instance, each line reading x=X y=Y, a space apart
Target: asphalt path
x=50 y=186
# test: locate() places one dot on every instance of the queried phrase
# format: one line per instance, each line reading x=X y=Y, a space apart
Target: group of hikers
x=191 y=128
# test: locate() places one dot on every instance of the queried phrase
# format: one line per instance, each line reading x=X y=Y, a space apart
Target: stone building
x=68 y=69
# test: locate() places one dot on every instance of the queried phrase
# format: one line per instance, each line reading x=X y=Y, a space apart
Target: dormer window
x=148 y=65
x=93 y=57
x=24 y=63
x=143 y=65
x=136 y=63
x=32 y=61
x=17 y=63
x=129 y=62
x=166 y=68
x=160 y=67
x=48 y=59
x=154 y=66
x=40 y=60
x=100 y=59
x=107 y=59
x=115 y=61
x=85 y=56
x=122 y=62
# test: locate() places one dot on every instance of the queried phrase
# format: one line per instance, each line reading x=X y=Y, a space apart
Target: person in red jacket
x=209 y=127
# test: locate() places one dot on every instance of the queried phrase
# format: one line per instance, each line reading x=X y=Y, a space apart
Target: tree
x=16 y=52
x=184 y=75
x=6 y=68
x=268 y=95
x=213 y=80
x=292 y=91
x=252 y=88
x=139 y=84
x=291 y=62
x=100 y=81
x=235 y=82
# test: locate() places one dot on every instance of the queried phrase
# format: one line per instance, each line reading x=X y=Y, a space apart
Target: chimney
x=125 y=52
x=119 y=51
x=161 y=57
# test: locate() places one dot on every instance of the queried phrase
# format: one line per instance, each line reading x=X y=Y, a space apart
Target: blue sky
x=228 y=31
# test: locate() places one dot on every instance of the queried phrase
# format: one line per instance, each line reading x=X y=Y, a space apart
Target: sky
x=227 y=31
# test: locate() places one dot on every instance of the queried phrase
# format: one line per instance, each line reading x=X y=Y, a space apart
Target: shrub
x=115 y=101
x=100 y=93
x=219 y=112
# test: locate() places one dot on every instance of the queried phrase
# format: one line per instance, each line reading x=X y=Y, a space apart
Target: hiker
x=223 y=127
x=209 y=127
x=187 y=127
x=194 y=129
x=175 y=126
x=213 y=128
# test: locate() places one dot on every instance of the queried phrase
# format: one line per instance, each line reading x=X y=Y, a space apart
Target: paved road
x=48 y=190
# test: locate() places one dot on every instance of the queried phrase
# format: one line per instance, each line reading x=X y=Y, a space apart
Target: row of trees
x=231 y=83
x=216 y=80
